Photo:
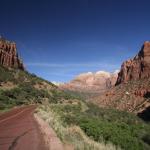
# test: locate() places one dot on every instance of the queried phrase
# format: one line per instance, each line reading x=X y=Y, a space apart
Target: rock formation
x=136 y=68
x=91 y=82
x=134 y=95
x=8 y=55
x=142 y=92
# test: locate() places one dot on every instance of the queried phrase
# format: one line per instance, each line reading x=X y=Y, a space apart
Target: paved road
x=20 y=131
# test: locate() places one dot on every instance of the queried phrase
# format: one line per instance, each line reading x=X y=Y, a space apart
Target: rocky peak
x=8 y=55
x=136 y=68
x=91 y=82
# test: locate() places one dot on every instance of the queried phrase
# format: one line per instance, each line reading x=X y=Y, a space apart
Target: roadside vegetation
x=70 y=134
x=104 y=126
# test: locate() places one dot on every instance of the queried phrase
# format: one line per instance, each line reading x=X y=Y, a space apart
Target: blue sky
x=58 y=39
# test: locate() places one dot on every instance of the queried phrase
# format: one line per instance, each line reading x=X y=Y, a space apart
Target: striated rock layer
x=8 y=55
x=91 y=82
x=136 y=68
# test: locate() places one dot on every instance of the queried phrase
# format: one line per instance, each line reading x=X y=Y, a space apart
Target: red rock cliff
x=136 y=68
x=8 y=55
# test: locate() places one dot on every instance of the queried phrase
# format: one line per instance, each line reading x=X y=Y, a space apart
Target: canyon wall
x=9 y=56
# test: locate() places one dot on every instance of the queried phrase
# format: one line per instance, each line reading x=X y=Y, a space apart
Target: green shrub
x=120 y=128
x=5 y=75
x=146 y=138
x=112 y=115
x=119 y=134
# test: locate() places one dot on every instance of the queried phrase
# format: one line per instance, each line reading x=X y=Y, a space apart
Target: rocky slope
x=8 y=55
x=132 y=90
x=136 y=68
x=91 y=82
x=18 y=86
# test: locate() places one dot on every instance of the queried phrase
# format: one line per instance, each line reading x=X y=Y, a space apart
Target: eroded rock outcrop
x=8 y=55
x=136 y=68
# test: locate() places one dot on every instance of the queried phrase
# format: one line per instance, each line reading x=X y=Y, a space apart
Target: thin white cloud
x=53 y=65
x=66 y=72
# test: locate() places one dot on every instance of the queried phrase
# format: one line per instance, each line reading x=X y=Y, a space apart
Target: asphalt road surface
x=20 y=131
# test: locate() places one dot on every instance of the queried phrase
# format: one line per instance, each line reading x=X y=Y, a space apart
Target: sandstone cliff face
x=136 y=68
x=91 y=82
x=8 y=55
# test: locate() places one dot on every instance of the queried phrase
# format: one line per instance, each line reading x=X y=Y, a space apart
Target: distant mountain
x=9 y=56
x=132 y=90
x=91 y=82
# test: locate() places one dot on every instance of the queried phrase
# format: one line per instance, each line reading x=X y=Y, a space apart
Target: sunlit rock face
x=91 y=82
x=136 y=68
x=9 y=56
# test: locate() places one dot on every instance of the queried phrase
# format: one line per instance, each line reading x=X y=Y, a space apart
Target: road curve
x=20 y=131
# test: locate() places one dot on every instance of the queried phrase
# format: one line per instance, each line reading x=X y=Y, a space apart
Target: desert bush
x=70 y=134
x=106 y=125
x=146 y=137
x=112 y=115
x=5 y=75
x=119 y=134
x=23 y=94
